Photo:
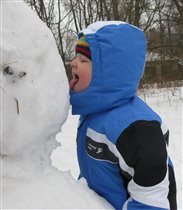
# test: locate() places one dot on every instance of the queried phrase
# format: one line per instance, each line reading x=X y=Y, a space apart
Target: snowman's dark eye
x=7 y=70
x=22 y=74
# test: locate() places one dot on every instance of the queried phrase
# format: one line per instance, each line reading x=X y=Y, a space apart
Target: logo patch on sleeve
x=99 y=151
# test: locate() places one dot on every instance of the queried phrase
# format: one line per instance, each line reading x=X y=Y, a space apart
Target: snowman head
x=34 y=88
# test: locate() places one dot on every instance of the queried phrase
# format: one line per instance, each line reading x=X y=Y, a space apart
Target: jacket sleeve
x=142 y=147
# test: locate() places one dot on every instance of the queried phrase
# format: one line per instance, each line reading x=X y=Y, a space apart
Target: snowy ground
x=167 y=102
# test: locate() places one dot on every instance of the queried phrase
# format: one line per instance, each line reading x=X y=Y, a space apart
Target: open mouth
x=74 y=81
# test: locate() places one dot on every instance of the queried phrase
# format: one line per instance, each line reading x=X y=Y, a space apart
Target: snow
x=166 y=101
x=34 y=105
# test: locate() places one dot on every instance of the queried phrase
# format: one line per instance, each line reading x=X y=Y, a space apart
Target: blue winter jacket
x=121 y=142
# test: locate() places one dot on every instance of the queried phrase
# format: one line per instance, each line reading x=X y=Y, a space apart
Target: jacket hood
x=118 y=52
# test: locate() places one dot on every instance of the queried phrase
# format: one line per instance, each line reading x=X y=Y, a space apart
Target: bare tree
x=50 y=12
x=115 y=9
x=162 y=21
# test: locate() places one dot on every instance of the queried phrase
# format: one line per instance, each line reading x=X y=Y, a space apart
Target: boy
x=121 y=142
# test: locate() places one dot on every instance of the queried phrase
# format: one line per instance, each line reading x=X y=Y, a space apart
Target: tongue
x=73 y=83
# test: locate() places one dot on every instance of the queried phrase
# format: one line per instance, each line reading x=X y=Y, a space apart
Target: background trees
x=161 y=20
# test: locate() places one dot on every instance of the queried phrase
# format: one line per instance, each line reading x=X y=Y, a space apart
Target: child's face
x=81 y=72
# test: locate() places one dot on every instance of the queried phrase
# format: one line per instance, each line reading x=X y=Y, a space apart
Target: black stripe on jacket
x=143 y=147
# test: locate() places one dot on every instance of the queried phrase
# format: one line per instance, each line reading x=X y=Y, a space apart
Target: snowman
x=34 y=106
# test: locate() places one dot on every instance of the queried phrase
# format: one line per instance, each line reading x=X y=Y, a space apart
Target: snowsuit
x=121 y=141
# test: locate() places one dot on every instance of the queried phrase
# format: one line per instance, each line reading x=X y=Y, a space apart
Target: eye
x=83 y=60
x=8 y=71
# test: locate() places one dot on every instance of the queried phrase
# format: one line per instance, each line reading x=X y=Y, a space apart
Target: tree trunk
x=115 y=9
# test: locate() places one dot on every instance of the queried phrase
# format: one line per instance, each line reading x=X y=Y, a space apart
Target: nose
x=73 y=63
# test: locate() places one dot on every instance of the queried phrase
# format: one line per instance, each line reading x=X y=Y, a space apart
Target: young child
x=121 y=141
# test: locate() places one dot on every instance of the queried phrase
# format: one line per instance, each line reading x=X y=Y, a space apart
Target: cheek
x=85 y=80
x=87 y=77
